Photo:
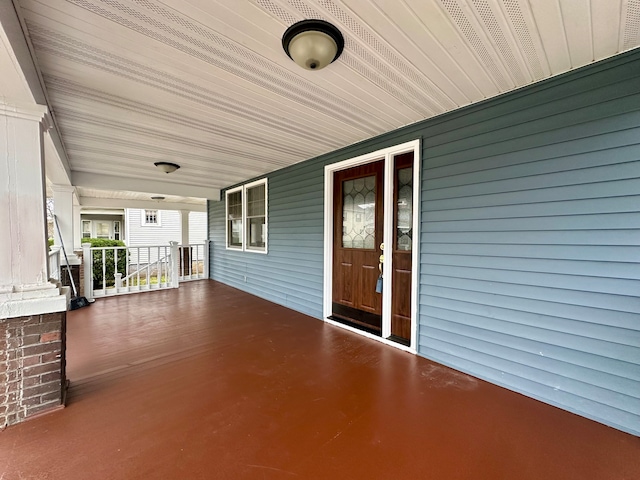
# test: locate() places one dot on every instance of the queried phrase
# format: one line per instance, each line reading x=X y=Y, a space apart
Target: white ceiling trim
x=95 y=202
x=109 y=182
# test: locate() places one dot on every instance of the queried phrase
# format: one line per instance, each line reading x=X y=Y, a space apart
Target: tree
x=49 y=205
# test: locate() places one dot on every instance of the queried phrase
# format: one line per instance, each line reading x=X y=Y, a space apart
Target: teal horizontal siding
x=596 y=308
x=560 y=390
x=529 y=241
x=530 y=247
x=596 y=190
x=559 y=252
x=291 y=273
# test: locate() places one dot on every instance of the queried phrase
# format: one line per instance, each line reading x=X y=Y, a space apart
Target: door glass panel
x=359 y=213
x=405 y=209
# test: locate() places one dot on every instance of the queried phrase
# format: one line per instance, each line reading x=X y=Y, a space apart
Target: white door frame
x=387 y=154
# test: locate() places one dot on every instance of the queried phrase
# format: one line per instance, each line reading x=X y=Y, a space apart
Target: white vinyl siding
x=141 y=234
x=150 y=218
x=197 y=227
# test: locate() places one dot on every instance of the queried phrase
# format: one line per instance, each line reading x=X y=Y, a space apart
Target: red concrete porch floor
x=207 y=382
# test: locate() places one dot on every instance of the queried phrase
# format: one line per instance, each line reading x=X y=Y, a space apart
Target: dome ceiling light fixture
x=167 y=167
x=313 y=44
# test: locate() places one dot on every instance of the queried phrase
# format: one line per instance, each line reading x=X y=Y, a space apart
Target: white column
x=24 y=284
x=207 y=245
x=77 y=227
x=63 y=208
x=175 y=272
x=88 y=271
x=184 y=215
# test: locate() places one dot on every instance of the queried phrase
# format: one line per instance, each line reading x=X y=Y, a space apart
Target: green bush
x=110 y=261
x=50 y=242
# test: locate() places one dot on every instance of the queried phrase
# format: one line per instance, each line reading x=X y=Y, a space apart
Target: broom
x=76 y=302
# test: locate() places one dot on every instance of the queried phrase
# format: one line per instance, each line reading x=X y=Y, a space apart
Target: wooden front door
x=357 y=237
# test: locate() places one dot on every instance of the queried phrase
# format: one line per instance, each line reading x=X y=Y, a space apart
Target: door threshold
x=357 y=325
x=400 y=340
x=372 y=336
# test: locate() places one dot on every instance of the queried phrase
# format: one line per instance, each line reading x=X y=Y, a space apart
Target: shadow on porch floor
x=207 y=382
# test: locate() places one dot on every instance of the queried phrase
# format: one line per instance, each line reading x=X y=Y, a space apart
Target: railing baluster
x=148 y=269
x=115 y=266
x=163 y=265
x=167 y=266
x=138 y=267
x=126 y=265
x=104 y=270
x=197 y=261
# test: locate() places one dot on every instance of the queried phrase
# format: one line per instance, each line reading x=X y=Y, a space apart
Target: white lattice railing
x=192 y=262
x=121 y=270
x=54 y=264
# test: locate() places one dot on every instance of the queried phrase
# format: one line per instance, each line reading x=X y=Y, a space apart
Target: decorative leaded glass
x=359 y=213
x=405 y=209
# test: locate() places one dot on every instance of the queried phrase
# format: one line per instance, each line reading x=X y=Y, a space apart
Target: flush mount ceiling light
x=167 y=167
x=313 y=44
x=158 y=198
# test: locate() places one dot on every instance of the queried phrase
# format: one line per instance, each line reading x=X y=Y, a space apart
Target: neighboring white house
x=141 y=226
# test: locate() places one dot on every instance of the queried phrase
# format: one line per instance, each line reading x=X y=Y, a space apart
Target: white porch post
x=77 y=227
x=24 y=281
x=63 y=207
x=87 y=260
x=185 y=252
x=175 y=272
x=207 y=245
x=32 y=309
x=184 y=216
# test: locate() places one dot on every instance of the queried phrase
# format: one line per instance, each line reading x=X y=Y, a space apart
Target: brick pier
x=32 y=366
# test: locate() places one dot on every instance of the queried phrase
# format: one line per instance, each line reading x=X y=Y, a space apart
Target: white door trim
x=387 y=154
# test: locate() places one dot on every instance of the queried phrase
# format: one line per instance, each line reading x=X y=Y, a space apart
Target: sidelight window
x=247 y=217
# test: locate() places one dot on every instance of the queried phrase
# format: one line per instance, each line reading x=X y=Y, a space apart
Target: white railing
x=120 y=270
x=193 y=264
x=54 y=264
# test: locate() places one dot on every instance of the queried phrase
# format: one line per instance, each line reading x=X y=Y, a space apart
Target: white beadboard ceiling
x=206 y=84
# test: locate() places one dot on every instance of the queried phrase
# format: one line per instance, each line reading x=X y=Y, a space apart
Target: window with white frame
x=116 y=230
x=103 y=229
x=234 y=219
x=150 y=217
x=247 y=217
x=86 y=229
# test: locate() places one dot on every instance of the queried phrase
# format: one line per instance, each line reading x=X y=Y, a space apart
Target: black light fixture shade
x=167 y=167
x=313 y=44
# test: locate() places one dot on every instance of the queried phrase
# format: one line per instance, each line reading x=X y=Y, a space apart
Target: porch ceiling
x=206 y=84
